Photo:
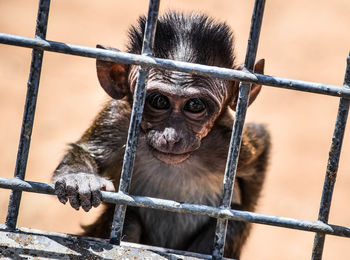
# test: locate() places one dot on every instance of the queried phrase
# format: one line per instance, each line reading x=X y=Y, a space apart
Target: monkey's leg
x=237 y=233
x=101 y=228
x=132 y=229
x=204 y=239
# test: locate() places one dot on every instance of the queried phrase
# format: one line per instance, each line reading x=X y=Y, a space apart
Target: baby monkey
x=183 y=142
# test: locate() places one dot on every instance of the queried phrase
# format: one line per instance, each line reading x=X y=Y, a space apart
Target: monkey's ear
x=112 y=76
x=255 y=89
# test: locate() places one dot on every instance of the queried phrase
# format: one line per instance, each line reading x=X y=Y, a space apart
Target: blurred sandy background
x=307 y=40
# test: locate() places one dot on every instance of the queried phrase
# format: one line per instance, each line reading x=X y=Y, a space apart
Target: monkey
x=183 y=141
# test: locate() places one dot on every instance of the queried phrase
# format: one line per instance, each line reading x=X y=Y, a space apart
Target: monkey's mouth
x=170 y=158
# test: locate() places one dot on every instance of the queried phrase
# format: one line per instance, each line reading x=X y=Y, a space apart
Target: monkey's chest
x=168 y=229
x=182 y=184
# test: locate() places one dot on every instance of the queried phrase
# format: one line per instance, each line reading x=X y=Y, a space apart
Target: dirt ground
x=306 y=40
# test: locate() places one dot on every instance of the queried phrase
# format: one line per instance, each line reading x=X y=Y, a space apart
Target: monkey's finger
x=72 y=193
x=95 y=193
x=107 y=185
x=85 y=195
x=96 y=198
x=60 y=191
x=74 y=202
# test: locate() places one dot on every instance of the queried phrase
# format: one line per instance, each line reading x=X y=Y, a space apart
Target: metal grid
x=223 y=213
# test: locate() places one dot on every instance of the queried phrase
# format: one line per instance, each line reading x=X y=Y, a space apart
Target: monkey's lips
x=170 y=158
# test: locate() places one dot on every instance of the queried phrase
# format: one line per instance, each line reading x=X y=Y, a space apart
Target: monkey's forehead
x=175 y=89
x=213 y=95
x=182 y=84
x=182 y=77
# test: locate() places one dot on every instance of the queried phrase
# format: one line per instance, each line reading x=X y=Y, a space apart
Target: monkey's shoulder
x=105 y=139
x=110 y=122
x=115 y=110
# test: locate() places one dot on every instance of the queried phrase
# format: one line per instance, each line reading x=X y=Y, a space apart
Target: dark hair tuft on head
x=187 y=37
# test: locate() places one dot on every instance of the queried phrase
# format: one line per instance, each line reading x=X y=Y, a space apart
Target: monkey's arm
x=78 y=178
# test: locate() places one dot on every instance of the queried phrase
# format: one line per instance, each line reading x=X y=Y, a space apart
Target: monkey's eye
x=194 y=105
x=158 y=101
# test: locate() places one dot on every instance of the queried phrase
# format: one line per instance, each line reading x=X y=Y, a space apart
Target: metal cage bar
x=332 y=166
x=28 y=115
x=135 y=121
x=236 y=137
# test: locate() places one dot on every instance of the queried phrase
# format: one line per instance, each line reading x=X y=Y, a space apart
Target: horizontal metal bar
x=28 y=243
x=168 y=205
x=135 y=59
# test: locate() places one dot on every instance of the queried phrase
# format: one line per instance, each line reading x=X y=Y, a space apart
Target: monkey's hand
x=81 y=189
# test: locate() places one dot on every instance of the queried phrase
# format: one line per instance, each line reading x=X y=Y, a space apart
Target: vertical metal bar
x=332 y=166
x=236 y=138
x=28 y=116
x=136 y=117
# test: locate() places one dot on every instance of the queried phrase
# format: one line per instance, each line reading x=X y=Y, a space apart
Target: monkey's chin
x=170 y=158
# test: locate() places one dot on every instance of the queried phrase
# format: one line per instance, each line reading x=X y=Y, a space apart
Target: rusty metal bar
x=173 y=206
x=135 y=59
x=29 y=112
x=236 y=138
x=332 y=166
x=135 y=121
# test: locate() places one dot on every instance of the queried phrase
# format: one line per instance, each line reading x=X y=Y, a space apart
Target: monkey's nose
x=171 y=143
x=171 y=137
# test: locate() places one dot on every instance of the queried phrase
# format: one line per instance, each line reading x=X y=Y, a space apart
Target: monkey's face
x=180 y=108
x=179 y=112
